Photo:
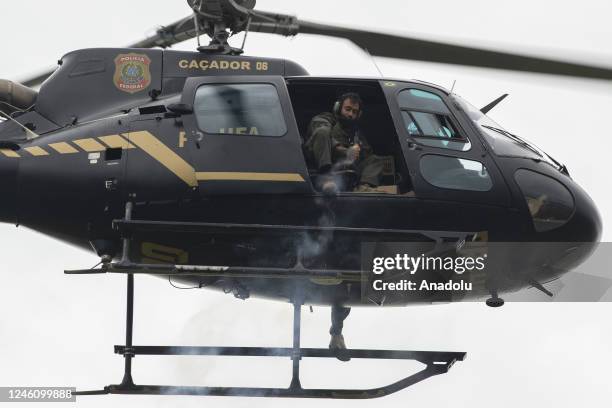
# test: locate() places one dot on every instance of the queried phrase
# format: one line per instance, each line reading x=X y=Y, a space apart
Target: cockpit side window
x=455 y=173
x=239 y=109
x=428 y=120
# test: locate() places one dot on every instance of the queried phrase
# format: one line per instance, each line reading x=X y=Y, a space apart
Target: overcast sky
x=59 y=330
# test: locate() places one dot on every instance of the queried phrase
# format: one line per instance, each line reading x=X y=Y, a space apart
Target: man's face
x=350 y=109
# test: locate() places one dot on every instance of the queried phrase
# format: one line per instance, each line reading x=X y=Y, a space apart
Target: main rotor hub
x=219 y=19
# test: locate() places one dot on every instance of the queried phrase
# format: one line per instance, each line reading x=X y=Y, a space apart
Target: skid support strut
x=129 y=326
x=295 y=355
x=129 y=310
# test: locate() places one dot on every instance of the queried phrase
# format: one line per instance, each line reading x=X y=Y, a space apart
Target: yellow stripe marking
x=166 y=156
x=116 y=141
x=36 y=151
x=89 y=145
x=63 y=148
x=9 y=153
x=242 y=176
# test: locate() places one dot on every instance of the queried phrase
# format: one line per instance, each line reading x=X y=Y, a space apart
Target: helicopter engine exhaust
x=15 y=97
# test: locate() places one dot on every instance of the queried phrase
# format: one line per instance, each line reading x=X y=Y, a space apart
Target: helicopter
x=167 y=195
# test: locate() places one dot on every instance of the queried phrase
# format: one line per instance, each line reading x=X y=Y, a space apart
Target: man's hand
x=352 y=153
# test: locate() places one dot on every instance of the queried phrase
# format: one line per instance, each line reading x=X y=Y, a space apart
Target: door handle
x=414 y=146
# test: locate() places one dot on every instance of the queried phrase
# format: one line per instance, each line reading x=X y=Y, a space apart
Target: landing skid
x=436 y=362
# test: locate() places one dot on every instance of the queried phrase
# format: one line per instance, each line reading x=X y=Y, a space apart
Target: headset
x=349 y=95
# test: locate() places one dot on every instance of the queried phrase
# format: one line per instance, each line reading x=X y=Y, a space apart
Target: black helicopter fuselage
x=122 y=125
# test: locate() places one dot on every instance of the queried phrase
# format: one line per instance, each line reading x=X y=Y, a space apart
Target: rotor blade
x=165 y=36
x=377 y=44
x=394 y=46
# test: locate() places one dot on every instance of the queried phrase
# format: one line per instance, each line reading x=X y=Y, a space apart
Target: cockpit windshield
x=501 y=141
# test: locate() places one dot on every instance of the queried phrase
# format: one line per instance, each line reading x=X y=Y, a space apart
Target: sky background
x=59 y=330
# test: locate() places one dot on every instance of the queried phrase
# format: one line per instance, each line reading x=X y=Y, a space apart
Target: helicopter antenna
x=453 y=87
x=374 y=62
x=196 y=23
x=246 y=32
x=197 y=27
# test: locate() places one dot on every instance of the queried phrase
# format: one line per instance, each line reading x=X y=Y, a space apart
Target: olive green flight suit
x=326 y=135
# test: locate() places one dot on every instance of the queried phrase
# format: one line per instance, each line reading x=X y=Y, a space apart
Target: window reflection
x=240 y=109
x=427 y=120
x=550 y=204
x=421 y=100
x=455 y=173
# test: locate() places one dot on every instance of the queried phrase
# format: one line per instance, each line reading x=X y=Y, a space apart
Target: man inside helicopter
x=336 y=146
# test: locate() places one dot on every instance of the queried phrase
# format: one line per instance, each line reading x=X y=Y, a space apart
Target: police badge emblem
x=132 y=72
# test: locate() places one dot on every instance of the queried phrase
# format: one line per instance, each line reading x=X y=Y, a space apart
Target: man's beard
x=347 y=123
